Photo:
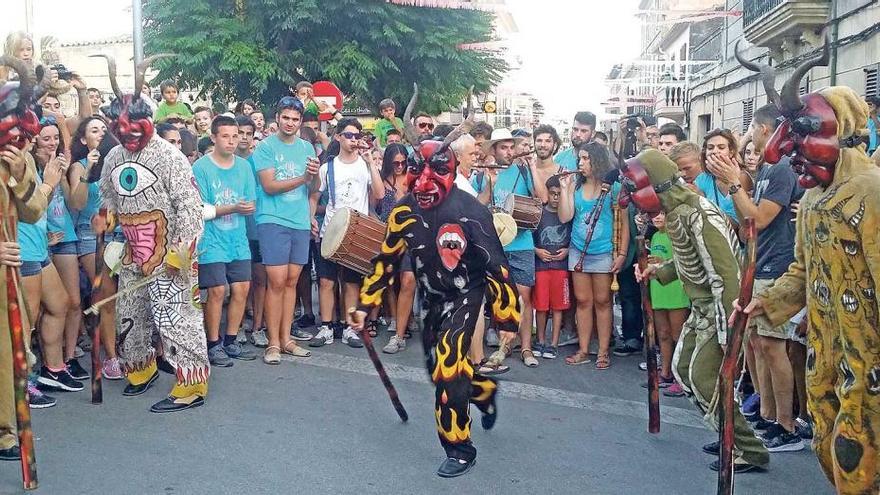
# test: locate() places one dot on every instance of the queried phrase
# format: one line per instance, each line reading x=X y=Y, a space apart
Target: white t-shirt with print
x=351 y=188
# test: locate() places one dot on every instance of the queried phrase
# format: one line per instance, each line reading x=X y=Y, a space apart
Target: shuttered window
x=748 y=110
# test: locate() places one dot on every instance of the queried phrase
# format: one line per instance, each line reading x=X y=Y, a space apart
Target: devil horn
x=790 y=98
x=140 y=71
x=111 y=70
x=768 y=74
x=25 y=84
x=466 y=126
x=409 y=130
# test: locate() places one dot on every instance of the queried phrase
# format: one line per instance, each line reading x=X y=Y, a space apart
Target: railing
x=755 y=9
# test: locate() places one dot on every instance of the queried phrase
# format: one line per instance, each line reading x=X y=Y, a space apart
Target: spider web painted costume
x=456 y=254
x=158 y=207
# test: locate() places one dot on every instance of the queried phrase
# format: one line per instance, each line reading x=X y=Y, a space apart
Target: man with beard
x=581 y=132
x=457 y=257
x=547 y=143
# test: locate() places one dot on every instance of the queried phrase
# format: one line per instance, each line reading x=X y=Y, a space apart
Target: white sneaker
x=350 y=338
x=392 y=326
x=241 y=338
x=324 y=337
x=260 y=339
x=395 y=345
x=78 y=352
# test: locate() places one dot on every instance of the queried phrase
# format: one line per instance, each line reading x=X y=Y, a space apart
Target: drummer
x=351 y=180
x=494 y=191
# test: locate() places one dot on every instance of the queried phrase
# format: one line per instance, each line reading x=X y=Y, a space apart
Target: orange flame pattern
x=446 y=348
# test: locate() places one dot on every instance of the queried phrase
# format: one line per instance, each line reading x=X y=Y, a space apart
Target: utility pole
x=137 y=36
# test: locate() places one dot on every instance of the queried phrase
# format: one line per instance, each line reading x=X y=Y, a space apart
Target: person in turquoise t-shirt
x=582 y=130
x=494 y=190
x=170 y=104
x=287 y=170
x=227 y=187
x=671 y=308
x=592 y=264
x=717 y=142
x=388 y=121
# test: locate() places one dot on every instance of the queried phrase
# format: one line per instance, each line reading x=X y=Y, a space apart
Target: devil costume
x=835 y=274
x=456 y=254
x=150 y=186
x=705 y=259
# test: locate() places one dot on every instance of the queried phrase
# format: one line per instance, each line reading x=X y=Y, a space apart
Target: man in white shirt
x=352 y=180
x=465 y=149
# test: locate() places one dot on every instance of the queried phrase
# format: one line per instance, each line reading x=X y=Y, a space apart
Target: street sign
x=489 y=106
x=328 y=93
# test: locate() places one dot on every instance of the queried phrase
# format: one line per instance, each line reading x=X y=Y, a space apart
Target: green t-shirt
x=165 y=110
x=385 y=125
x=671 y=295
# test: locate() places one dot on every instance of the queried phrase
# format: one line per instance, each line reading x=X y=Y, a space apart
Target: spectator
x=551 y=293
x=260 y=123
x=442 y=130
x=873 y=123
x=669 y=135
x=686 y=156
x=582 y=130
x=601 y=138
x=170 y=104
x=424 y=124
x=652 y=134
x=226 y=184
x=206 y=145
x=388 y=122
x=95 y=101
x=465 y=149
x=189 y=145
x=310 y=120
x=718 y=142
x=751 y=159
x=287 y=170
x=202 y=118
x=481 y=132
x=169 y=133
x=352 y=181
x=546 y=144
x=592 y=280
x=393 y=136
x=245 y=107
x=306 y=94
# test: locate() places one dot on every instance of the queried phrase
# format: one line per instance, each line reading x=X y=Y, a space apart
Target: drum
x=505 y=226
x=525 y=210
x=352 y=240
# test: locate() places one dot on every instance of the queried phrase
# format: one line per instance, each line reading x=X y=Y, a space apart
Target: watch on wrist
x=734 y=188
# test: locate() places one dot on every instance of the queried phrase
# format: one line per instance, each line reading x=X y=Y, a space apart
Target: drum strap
x=331 y=183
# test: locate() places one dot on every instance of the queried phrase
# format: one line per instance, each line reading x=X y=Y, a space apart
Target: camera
x=630 y=138
x=63 y=72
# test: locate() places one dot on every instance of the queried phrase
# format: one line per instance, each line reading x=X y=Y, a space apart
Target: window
x=748 y=110
x=705 y=121
x=872 y=84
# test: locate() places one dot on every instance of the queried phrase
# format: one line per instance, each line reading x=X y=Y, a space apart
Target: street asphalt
x=324 y=425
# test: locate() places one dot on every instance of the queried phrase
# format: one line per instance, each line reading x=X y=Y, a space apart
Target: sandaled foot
x=528 y=358
x=603 y=361
x=272 y=355
x=580 y=357
x=489 y=368
x=294 y=350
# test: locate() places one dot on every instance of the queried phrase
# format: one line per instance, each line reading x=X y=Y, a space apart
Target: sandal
x=603 y=361
x=490 y=369
x=295 y=350
x=272 y=355
x=530 y=361
x=580 y=357
x=372 y=325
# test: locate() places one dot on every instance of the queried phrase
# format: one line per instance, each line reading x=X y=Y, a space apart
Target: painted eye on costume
x=130 y=179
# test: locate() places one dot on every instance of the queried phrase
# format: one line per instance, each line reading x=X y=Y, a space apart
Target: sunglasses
x=290 y=102
x=48 y=120
x=426 y=125
x=398 y=162
x=352 y=135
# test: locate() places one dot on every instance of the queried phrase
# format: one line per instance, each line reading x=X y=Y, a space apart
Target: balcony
x=776 y=23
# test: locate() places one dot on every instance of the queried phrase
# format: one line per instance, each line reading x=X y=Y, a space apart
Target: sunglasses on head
x=426 y=125
x=352 y=135
x=290 y=102
x=48 y=120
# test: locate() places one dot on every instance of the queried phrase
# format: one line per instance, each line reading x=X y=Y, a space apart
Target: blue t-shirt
x=567 y=158
x=58 y=216
x=34 y=237
x=511 y=180
x=93 y=204
x=873 y=138
x=290 y=209
x=225 y=238
x=706 y=183
x=776 y=183
x=601 y=242
x=250 y=221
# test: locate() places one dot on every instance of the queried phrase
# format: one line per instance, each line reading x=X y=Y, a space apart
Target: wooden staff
x=650 y=339
x=383 y=375
x=94 y=321
x=615 y=239
x=19 y=362
x=730 y=365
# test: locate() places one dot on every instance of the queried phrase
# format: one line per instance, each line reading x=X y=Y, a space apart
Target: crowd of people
x=271 y=177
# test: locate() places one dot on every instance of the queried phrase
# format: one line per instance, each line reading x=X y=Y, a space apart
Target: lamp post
x=137 y=35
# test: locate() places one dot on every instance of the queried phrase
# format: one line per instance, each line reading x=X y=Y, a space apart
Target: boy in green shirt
x=388 y=121
x=170 y=105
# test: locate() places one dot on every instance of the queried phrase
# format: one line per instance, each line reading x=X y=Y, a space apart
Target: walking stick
x=650 y=349
x=389 y=387
x=95 y=318
x=730 y=365
x=19 y=365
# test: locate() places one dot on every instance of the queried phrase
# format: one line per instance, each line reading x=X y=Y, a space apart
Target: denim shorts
x=68 y=247
x=88 y=241
x=522 y=267
x=281 y=245
x=218 y=274
x=31 y=268
x=593 y=263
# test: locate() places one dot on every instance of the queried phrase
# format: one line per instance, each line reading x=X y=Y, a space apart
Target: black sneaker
x=58 y=381
x=738 y=467
x=773 y=431
x=305 y=321
x=37 y=399
x=11 y=454
x=762 y=425
x=713 y=448
x=453 y=467
x=804 y=428
x=626 y=350
x=76 y=370
x=787 y=441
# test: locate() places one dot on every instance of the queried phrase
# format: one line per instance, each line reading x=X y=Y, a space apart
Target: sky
x=566 y=47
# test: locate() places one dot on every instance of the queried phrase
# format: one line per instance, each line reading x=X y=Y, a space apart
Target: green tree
x=234 y=49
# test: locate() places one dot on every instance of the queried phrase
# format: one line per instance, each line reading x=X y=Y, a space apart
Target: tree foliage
x=235 y=49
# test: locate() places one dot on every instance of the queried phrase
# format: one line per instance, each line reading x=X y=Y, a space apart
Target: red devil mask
x=18 y=123
x=637 y=188
x=431 y=173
